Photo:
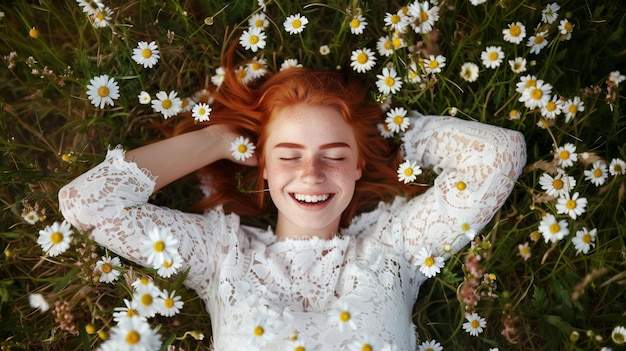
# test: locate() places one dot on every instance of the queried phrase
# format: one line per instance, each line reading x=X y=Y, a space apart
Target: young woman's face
x=311 y=167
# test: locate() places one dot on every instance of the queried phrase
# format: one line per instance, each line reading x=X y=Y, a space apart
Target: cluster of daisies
x=97 y=12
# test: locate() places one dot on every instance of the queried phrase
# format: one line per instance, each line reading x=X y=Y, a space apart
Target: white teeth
x=311 y=198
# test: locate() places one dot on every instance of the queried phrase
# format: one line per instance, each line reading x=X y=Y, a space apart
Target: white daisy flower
x=584 y=240
x=526 y=82
x=428 y=264
x=90 y=7
x=565 y=29
x=431 y=345
x=492 y=57
x=434 y=64
x=167 y=104
x=388 y=82
x=187 y=104
x=102 y=90
x=515 y=33
x=524 y=251
x=253 y=39
x=343 y=315
x=218 y=77
x=357 y=25
x=537 y=96
x=557 y=186
x=550 y=13
x=171 y=303
x=148 y=298
x=422 y=16
x=324 y=50
x=616 y=77
x=365 y=342
x=261 y=327
x=201 y=112
x=144 y=97
x=39 y=302
x=243 y=72
x=242 y=149
x=295 y=24
x=413 y=74
x=384 y=46
x=135 y=334
x=108 y=268
x=573 y=206
x=598 y=174
x=566 y=155
x=475 y=324
x=617 y=167
x=384 y=130
x=572 y=107
x=362 y=60
x=55 y=239
x=552 y=108
x=553 y=230
x=160 y=246
x=396 y=21
x=537 y=42
x=469 y=71
x=397 y=120
x=408 y=171
x=467 y=229
x=258 y=20
x=170 y=267
x=618 y=335
x=130 y=310
x=257 y=67
x=290 y=63
x=146 y=54
x=102 y=17
x=518 y=65
x=30 y=217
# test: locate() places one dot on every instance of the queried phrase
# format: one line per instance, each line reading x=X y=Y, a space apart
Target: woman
x=339 y=269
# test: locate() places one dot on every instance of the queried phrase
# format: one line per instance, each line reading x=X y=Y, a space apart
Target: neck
x=288 y=230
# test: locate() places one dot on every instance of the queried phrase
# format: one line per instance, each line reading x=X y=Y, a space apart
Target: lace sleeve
x=477 y=165
x=111 y=202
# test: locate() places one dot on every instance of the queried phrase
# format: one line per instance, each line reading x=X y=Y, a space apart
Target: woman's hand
x=227 y=136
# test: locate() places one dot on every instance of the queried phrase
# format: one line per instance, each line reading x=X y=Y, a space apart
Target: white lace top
x=245 y=276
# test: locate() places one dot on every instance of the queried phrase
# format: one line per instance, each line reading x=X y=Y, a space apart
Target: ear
x=359 y=169
x=264 y=173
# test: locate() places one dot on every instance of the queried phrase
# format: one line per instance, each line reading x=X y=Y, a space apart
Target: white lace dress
x=246 y=277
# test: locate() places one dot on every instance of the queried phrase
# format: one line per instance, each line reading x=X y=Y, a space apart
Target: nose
x=312 y=171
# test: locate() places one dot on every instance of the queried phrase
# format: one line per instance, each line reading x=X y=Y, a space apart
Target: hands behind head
x=228 y=136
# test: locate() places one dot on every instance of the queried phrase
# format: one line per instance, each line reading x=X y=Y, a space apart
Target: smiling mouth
x=312 y=199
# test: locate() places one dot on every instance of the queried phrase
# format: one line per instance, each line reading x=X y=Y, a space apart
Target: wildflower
x=144 y=98
x=357 y=25
x=514 y=115
x=550 y=13
x=102 y=90
x=408 y=171
x=526 y=82
x=396 y=120
x=242 y=149
x=384 y=130
x=167 y=104
x=362 y=60
x=130 y=310
x=434 y=64
x=258 y=20
x=170 y=267
x=253 y=39
x=566 y=155
x=467 y=230
x=161 y=246
x=617 y=167
x=324 y=50
x=584 y=240
x=134 y=334
x=148 y=298
x=469 y=71
x=515 y=33
x=428 y=264
x=38 y=301
x=55 y=239
x=343 y=315
x=524 y=251
x=295 y=24
x=33 y=33
x=412 y=74
x=422 y=16
x=102 y=17
x=572 y=107
x=492 y=56
x=90 y=7
x=552 y=230
x=107 y=268
x=388 y=82
x=218 y=77
x=619 y=335
x=474 y=324
x=396 y=21
x=565 y=28
x=384 y=46
x=201 y=112
x=30 y=217
x=573 y=206
x=559 y=185
x=289 y=63
x=477 y=2
x=537 y=96
x=187 y=104
x=366 y=342
x=518 y=65
x=598 y=173
x=616 y=77
x=146 y=54
x=431 y=345
x=171 y=303
x=537 y=42
x=552 y=108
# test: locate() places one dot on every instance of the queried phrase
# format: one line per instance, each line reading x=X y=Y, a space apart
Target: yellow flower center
x=255 y=66
x=460 y=185
x=493 y=56
x=367 y=347
x=475 y=324
x=539 y=39
x=525 y=251
x=395 y=19
x=554 y=228
x=570 y=204
x=344 y=316
x=536 y=94
x=465 y=227
x=355 y=23
x=573 y=109
x=202 y=111
x=586 y=238
x=132 y=337
x=390 y=81
x=388 y=45
x=132 y=313
x=254 y=39
x=534 y=236
x=397 y=42
x=362 y=58
x=167 y=103
x=146 y=53
x=103 y=91
x=424 y=16
x=242 y=148
x=515 y=30
x=568 y=26
x=433 y=64
x=299 y=348
x=551 y=106
x=597 y=173
x=146 y=299
x=408 y=172
x=34 y=33
x=258 y=331
x=558 y=184
x=56 y=237
x=106 y=268
x=90 y=328
x=296 y=23
x=242 y=73
x=159 y=246
x=429 y=261
x=144 y=281
x=564 y=155
x=168 y=303
x=531 y=83
x=398 y=120
x=100 y=15
x=258 y=23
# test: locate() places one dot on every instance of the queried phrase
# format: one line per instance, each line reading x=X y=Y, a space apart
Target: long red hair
x=249 y=109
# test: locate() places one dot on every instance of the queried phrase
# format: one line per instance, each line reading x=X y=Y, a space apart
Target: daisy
x=149 y=301
x=618 y=335
x=515 y=33
x=552 y=230
x=384 y=46
x=55 y=239
x=357 y=25
x=428 y=264
x=514 y=115
x=362 y=60
x=108 y=268
x=526 y=82
x=518 y=65
x=343 y=316
x=290 y=63
x=617 y=167
x=431 y=345
x=366 y=342
x=524 y=251
x=144 y=98
x=552 y=108
x=408 y=171
x=39 y=302
x=467 y=230
x=384 y=130
x=469 y=71
x=295 y=24
x=146 y=54
x=90 y=7
x=396 y=120
x=537 y=96
x=388 y=82
x=170 y=267
x=258 y=20
x=537 y=42
x=396 y=21
x=550 y=13
x=243 y=72
x=584 y=240
x=171 y=304
x=573 y=206
x=474 y=324
x=434 y=64
x=565 y=28
x=160 y=246
x=558 y=185
x=616 y=77
x=167 y=104
x=130 y=310
x=102 y=17
x=187 y=104
x=134 y=334
x=477 y=2
x=572 y=107
x=30 y=217
x=492 y=57
x=253 y=39
x=598 y=174
x=201 y=112
x=242 y=149
x=566 y=155
x=218 y=77
x=422 y=17
x=413 y=73
x=102 y=90
x=324 y=50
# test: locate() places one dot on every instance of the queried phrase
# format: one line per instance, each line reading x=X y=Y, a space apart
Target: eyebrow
x=300 y=146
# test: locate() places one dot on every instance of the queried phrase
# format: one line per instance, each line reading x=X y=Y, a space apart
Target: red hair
x=249 y=109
